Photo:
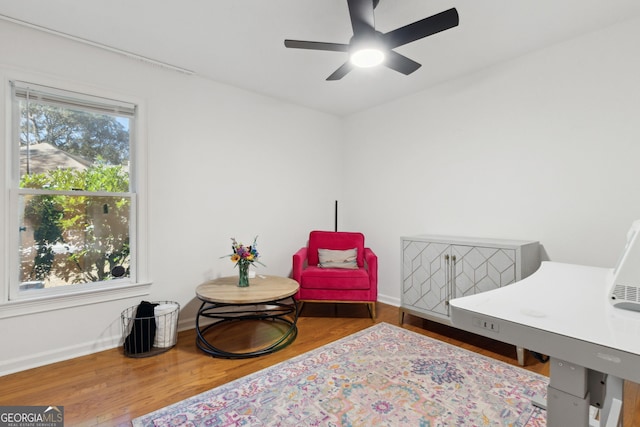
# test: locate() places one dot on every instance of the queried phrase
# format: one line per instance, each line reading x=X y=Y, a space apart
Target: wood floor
x=109 y=389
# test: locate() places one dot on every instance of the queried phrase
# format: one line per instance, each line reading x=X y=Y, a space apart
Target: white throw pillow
x=332 y=258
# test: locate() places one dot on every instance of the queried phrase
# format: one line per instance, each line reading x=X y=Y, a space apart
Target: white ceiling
x=240 y=42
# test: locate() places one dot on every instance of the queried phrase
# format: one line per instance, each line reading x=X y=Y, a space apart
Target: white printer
x=624 y=280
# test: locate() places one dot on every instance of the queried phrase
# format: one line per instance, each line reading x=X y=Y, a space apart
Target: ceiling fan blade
x=361 y=13
x=400 y=63
x=302 y=44
x=423 y=28
x=341 y=71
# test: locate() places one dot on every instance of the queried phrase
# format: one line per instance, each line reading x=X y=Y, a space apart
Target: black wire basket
x=150 y=328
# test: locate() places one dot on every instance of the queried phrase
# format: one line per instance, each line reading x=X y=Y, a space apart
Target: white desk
x=562 y=310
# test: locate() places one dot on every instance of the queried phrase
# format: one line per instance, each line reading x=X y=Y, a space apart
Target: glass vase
x=243 y=274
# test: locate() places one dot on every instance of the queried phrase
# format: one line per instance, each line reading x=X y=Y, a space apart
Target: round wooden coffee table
x=266 y=298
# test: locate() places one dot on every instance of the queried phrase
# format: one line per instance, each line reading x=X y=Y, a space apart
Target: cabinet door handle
x=447 y=279
x=453 y=276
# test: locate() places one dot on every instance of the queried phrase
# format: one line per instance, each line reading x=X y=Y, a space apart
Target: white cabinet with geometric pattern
x=436 y=269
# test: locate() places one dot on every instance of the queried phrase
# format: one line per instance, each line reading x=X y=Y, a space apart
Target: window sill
x=59 y=302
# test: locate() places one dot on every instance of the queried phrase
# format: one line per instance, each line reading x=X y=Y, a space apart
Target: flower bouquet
x=243 y=256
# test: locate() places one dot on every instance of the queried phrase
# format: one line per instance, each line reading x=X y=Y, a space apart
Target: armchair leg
x=372 y=310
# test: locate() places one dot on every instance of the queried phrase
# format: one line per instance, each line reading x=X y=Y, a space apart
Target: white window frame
x=14 y=303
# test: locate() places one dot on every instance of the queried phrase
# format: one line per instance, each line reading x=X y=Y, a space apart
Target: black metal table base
x=276 y=311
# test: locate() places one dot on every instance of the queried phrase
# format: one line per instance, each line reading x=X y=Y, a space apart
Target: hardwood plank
x=110 y=389
x=631 y=408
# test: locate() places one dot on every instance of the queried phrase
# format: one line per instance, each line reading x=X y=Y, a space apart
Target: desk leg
x=573 y=389
x=567 y=395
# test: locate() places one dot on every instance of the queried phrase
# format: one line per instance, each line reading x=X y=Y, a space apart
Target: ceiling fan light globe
x=368 y=57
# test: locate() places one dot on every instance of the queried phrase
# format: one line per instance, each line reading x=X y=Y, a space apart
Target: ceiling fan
x=369 y=47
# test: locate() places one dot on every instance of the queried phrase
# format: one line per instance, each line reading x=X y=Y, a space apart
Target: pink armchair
x=340 y=279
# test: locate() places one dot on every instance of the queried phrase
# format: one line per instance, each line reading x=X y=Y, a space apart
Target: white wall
x=545 y=147
x=223 y=163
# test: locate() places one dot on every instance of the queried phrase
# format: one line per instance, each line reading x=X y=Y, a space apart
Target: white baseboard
x=107 y=343
x=389 y=300
x=190 y=323
x=57 y=355
x=61 y=354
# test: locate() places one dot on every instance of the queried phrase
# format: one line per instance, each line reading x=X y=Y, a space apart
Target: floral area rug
x=381 y=376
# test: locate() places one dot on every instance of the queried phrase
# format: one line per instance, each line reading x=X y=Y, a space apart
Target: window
x=73 y=191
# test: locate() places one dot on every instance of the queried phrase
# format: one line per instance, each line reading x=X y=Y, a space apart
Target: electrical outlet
x=486 y=324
